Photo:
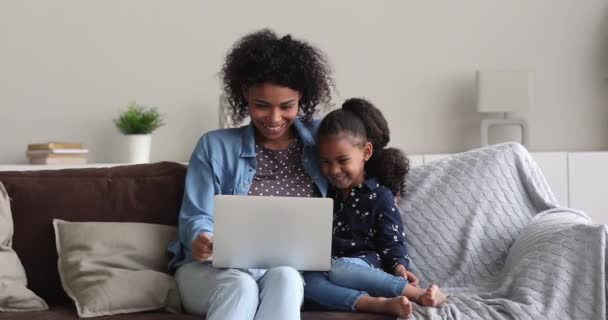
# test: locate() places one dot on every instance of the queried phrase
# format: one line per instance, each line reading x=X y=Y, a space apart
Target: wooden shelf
x=29 y=167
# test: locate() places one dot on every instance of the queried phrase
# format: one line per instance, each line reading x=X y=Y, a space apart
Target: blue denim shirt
x=223 y=162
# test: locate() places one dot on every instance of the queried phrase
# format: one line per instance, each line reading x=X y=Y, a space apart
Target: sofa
x=148 y=193
x=483 y=224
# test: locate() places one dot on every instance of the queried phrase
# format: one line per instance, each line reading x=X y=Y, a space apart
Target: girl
x=367 y=229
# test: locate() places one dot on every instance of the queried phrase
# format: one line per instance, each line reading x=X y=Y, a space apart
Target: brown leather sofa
x=137 y=193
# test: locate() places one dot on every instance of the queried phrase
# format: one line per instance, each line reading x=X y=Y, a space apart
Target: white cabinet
x=415 y=160
x=578 y=179
x=36 y=167
x=588 y=175
x=428 y=158
x=554 y=166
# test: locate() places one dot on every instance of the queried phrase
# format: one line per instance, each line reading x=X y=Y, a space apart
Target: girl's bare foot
x=433 y=297
x=399 y=306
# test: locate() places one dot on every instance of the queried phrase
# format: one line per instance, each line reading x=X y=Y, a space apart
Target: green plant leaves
x=139 y=119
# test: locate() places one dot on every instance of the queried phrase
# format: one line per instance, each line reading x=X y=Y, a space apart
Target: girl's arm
x=390 y=237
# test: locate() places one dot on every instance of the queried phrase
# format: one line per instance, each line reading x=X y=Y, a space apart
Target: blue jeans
x=231 y=294
x=348 y=280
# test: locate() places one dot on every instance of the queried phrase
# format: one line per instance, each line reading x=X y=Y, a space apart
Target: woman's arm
x=196 y=213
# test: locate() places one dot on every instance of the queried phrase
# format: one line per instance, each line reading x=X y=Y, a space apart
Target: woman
x=279 y=83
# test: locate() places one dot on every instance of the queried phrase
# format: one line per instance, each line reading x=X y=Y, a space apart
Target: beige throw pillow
x=14 y=294
x=116 y=267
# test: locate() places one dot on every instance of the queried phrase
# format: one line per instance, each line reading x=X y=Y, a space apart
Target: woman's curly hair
x=262 y=57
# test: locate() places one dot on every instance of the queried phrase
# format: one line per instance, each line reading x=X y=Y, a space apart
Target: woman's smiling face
x=272 y=109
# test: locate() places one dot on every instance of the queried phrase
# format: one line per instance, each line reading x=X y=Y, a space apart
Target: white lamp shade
x=505 y=90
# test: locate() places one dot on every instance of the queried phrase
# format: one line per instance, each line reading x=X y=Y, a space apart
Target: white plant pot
x=138 y=148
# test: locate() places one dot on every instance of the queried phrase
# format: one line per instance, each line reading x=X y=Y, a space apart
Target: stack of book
x=57 y=153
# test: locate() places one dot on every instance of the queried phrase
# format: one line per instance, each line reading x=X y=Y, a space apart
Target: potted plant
x=137 y=124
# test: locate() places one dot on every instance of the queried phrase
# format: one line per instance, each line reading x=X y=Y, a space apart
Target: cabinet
x=33 y=167
x=576 y=178
x=554 y=166
x=587 y=175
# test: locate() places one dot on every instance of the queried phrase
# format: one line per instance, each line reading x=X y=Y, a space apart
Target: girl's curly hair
x=362 y=121
x=262 y=57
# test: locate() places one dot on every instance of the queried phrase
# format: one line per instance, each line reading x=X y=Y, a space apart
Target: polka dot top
x=280 y=173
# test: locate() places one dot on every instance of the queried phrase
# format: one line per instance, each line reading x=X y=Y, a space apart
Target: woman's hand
x=401 y=271
x=202 y=247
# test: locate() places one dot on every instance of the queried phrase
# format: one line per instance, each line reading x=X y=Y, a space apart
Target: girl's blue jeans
x=348 y=280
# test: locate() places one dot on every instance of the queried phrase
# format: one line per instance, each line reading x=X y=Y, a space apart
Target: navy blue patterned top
x=368 y=225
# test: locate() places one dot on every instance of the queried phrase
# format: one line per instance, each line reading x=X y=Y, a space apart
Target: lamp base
x=494 y=122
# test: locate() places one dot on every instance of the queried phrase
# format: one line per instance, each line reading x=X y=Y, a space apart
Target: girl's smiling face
x=343 y=160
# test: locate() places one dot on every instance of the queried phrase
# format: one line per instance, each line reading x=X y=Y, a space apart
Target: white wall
x=67 y=66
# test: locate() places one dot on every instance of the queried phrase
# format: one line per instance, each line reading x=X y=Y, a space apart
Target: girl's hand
x=202 y=247
x=401 y=271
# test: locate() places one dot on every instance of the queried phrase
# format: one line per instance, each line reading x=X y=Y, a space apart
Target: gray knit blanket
x=485 y=226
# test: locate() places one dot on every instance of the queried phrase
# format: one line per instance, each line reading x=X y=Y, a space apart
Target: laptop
x=265 y=232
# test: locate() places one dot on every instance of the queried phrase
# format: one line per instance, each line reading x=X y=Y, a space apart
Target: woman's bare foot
x=433 y=297
x=398 y=306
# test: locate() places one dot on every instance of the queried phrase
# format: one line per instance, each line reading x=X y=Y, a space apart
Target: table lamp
x=501 y=93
